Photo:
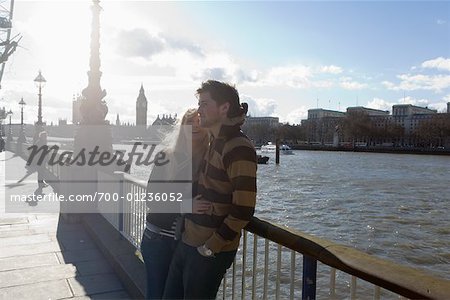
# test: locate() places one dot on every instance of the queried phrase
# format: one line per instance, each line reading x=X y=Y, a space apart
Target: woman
x=158 y=241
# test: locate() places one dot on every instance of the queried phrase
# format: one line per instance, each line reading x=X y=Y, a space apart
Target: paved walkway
x=43 y=257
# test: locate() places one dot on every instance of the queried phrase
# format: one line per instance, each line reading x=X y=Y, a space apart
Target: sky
x=283 y=57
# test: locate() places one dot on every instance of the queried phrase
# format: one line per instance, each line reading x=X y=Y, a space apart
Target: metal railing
x=274 y=261
x=268 y=265
x=129 y=218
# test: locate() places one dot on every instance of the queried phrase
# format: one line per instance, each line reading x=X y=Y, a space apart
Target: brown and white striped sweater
x=228 y=181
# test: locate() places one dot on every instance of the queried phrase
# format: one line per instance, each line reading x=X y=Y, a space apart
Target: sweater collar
x=228 y=126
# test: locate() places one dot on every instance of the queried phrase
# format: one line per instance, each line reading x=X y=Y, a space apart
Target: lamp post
x=40 y=82
x=21 y=138
x=9 y=137
x=2 y=117
x=21 y=103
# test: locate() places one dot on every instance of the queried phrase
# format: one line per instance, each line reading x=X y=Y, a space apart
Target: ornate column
x=94 y=130
x=93 y=134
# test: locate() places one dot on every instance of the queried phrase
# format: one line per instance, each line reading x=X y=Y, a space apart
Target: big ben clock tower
x=141 y=108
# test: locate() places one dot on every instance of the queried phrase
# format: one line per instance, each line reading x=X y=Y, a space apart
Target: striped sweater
x=228 y=181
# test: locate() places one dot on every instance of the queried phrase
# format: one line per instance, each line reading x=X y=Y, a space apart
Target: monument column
x=94 y=130
x=93 y=134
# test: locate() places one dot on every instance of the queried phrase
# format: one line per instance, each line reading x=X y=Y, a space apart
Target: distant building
x=321 y=125
x=368 y=111
x=410 y=116
x=319 y=113
x=141 y=108
x=165 y=120
x=76 y=114
x=262 y=121
x=117 y=120
x=261 y=129
x=380 y=118
x=448 y=107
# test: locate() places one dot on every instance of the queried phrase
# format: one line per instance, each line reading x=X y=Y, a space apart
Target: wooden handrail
x=405 y=281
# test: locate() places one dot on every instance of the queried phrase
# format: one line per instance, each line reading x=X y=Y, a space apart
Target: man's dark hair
x=222 y=92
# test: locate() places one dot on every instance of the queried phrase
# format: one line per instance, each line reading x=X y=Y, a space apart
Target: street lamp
x=21 y=103
x=22 y=139
x=9 y=138
x=40 y=82
x=2 y=117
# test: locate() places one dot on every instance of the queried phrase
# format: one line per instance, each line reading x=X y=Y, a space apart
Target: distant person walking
x=40 y=142
x=161 y=230
x=227 y=181
x=2 y=144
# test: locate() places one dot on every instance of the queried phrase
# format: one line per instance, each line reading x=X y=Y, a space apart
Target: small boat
x=269 y=148
x=262 y=159
x=285 y=149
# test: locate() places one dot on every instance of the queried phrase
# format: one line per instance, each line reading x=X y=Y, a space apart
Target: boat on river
x=270 y=148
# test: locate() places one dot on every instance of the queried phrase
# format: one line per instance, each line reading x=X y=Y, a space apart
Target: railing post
x=233 y=280
x=309 y=278
x=277 y=152
x=333 y=282
x=121 y=202
x=278 y=279
x=255 y=263
x=244 y=263
x=266 y=267
x=292 y=288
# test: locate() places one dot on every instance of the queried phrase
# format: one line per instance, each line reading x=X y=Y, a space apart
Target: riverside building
x=399 y=128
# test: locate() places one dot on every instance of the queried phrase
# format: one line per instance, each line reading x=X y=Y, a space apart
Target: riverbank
x=380 y=149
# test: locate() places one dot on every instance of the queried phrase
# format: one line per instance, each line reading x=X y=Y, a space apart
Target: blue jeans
x=157 y=252
x=193 y=276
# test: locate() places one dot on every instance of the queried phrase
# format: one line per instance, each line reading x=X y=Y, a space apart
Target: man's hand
x=200 y=206
x=205 y=251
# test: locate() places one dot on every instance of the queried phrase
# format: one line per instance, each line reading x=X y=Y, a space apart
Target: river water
x=390 y=205
x=394 y=206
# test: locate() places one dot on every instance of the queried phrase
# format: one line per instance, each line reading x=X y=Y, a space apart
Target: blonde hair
x=181 y=139
x=177 y=141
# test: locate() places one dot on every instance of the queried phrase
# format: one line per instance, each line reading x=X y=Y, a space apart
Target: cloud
x=183 y=44
x=220 y=66
x=410 y=82
x=348 y=84
x=260 y=107
x=297 y=115
x=440 y=22
x=378 y=103
x=439 y=106
x=439 y=63
x=242 y=76
x=382 y=104
x=413 y=101
x=219 y=74
x=431 y=82
x=191 y=62
x=298 y=76
x=293 y=76
x=138 y=43
x=331 y=69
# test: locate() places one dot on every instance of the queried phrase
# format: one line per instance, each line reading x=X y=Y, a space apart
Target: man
x=2 y=144
x=228 y=181
x=41 y=142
